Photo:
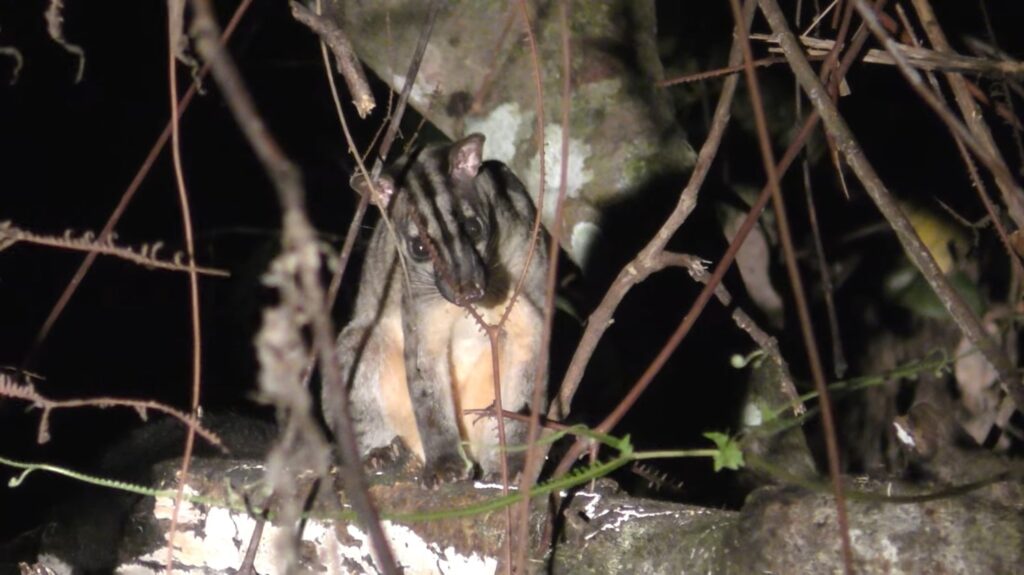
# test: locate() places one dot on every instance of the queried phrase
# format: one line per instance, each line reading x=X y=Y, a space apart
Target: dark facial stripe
x=430 y=203
x=426 y=191
x=432 y=189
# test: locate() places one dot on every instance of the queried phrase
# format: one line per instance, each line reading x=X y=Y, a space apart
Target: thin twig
x=981 y=148
x=146 y=255
x=968 y=109
x=247 y=567
x=796 y=284
x=646 y=261
x=524 y=14
x=492 y=339
x=835 y=14
x=298 y=237
x=817 y=19
x=357 y=219
x=638 y=269
x=27 y=392
x=700 y=76
x=488 y=80
x=918 y=253
x=834 y=71
x=176 y=12
x=1002 y=85
x=839 y=365
x=14 y=54
x=975 y=120
x=336 y=280
x=534 y=452
x=915 y=56
x=403 y=98
x=694 y=266
x=545 y=423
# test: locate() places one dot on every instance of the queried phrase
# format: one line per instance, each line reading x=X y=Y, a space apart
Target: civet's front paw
x=446 y=469
x=392 y=457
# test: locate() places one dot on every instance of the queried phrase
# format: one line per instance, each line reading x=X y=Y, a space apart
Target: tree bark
x=623 y=134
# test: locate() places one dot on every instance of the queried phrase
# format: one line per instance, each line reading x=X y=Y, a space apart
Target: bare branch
x=403 y=97
x=300 y=243
x=695 y=267
x=916 y=56
x=918 y=253
x=146 y=255
x=534 y=451
x=345 y=59
x=970 y=111
x=916 y=250
x=796 y=283
x=9 y=387
x=647 y=261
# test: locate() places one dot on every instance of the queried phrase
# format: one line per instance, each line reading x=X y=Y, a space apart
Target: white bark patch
x=584 y=235
x=500 y=128
x=483 y=485
x=576 y=176
x=752 y=416
x=429 y=80
x=163 y=508
x=216 y=539
x=904 y=435
x=416 y=95
x=615 y=518
x=420 y=557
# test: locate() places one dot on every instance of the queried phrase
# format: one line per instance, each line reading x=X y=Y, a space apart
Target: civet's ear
x=465 y=157
x=380 y=193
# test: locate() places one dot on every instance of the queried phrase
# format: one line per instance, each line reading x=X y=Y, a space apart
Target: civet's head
x=441 y=205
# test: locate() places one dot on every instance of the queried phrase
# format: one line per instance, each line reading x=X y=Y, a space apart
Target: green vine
x=575 y=478
x=727 y=454
x=937 y=361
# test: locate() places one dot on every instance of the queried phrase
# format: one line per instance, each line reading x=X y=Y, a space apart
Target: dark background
x=69 y=150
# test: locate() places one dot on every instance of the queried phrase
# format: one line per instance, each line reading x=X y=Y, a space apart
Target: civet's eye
x=418 y=249
x=473 y=228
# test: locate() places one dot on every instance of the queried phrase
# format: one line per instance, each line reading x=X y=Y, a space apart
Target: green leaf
x=729 y=455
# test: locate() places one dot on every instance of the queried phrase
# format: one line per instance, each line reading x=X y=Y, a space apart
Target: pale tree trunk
x=623 y=132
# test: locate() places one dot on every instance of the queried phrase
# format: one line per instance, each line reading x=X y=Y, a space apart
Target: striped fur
x=413 y=358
